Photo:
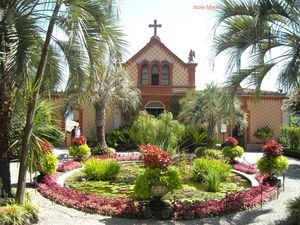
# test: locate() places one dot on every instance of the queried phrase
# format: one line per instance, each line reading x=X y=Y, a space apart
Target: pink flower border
x=124 y=207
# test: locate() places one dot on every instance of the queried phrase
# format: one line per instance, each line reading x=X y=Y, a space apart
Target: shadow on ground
x=243 y=218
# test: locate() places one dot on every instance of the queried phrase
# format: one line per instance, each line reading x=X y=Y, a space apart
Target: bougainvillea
x=81 y=140
x=272 y=149
x=154 y=157
x=231 y=141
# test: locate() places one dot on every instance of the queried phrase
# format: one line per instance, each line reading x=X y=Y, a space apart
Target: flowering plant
x=81 y=140
x=154 y=157
x=272 y=149
x=231 y=141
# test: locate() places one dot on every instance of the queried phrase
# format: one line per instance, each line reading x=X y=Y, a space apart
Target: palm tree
x=113 y=86
x=19 y=47
x=92 y=32
x=268 y=32
x=209 y=108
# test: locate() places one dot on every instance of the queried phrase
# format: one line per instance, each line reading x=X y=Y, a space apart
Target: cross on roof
x=155 y=25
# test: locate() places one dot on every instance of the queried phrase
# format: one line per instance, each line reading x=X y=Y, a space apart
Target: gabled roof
x=155 y=40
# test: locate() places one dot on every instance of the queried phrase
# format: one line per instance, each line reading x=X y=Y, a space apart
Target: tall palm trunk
x=7 y=73
x=100 y=124
x=5 y=119
x=32 y=107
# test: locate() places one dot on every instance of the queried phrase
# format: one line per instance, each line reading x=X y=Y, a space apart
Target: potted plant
x=272 y=163
x=231 y=150
x=79 y=148
x=158 y=179
x=264 y=133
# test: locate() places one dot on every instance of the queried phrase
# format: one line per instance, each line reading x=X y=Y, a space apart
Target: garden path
x=273 y=212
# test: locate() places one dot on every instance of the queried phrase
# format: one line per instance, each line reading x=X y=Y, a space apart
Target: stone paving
x=273 y=212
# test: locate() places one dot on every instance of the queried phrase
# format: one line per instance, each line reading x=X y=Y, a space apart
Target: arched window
x=165 y=75
x=155 y=75
x=144 y=75
x=154 y=108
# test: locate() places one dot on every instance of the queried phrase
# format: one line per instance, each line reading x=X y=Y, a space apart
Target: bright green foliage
x=103 y=151
x=272 y=165
x=232 y=152
x=81 y=151
x=200 y=151
x=212 y=153
x=212 y=180
x=48 y=164
x=162 y=131
x=18 y=215
x=263 y=133
x=202 y=166
x=292 y=137
x=294 y=211
x=98 y=169
x=45 y=163
x=169 y=177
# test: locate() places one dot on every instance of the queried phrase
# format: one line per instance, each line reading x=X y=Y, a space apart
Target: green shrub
x=294 y=211
x=98 y=169
x=81 y=151
x=292 y=137
x=169 y=177
x=46 y=164
x=232 y=152
x=162 y=131
x=202 y=166
x=121 y=140
x=272 y=165
x=193 y=137
x=212 y=153
x=263 y=133
x=104 y=151
x=200 y=151
x=212 y=180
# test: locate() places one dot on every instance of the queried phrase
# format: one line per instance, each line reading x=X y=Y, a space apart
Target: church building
x=163 y=78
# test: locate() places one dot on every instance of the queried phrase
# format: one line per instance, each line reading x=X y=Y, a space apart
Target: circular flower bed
x=124 y=207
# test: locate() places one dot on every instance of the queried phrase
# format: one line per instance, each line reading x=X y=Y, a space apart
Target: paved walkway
x=273 y=212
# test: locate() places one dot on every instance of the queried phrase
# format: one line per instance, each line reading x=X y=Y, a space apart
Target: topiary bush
x=232 y=152
x=48 y=164
x=98 y=169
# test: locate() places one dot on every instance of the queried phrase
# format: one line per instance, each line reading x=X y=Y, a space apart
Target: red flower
x=81 y=140
x=231 y=141
x=272 y=149
x=154 y=157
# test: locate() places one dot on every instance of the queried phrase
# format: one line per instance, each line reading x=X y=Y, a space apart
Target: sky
x=186 y=25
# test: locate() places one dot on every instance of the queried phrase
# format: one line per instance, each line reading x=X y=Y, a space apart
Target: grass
x=124 y=183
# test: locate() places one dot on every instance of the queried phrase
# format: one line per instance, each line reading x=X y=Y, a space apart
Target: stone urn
x=157 y=207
